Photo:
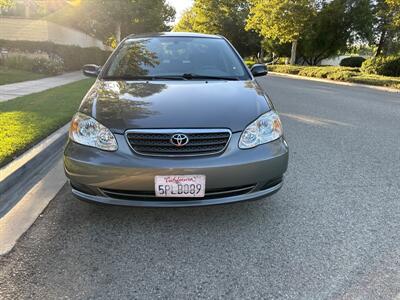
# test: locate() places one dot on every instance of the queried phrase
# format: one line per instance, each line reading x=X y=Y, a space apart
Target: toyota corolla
x=175 y=119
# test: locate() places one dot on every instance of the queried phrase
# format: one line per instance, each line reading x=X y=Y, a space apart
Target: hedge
x=338 y=73
x=74 y=57
x=329 y=72
x=382 y=65
x=352 y=61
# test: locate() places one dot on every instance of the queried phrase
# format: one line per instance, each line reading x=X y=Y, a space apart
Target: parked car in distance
x=175 y=119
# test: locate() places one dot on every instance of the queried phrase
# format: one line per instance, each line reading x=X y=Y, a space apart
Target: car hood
x=122 y=105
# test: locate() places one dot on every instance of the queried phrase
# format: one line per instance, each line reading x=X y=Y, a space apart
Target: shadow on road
x=217 y=218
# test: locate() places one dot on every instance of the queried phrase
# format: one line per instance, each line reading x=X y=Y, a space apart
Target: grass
x=26 y=120
x=346 y=74
x=393 y=82
x=8 y=75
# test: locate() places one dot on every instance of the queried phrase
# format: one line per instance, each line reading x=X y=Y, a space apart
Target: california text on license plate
x=180 y=186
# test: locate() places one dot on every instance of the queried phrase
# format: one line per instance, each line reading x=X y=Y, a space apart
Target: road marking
x=314 y=120
x=21 y=217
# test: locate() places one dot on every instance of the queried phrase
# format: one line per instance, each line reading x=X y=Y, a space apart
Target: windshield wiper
x=196 y=76
x=169 y=77
x=186 y=76
x=127 y=77
x=189 y=76
x=145 y=77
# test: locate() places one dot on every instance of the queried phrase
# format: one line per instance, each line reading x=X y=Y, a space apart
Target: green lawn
x=11 y=75
x=26 y=120
x=339 y=74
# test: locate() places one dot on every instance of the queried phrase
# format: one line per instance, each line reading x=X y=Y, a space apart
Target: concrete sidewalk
x=11 y=91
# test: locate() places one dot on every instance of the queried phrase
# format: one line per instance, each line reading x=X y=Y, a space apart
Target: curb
x=373 y=87
x=16 y=176
x=21 y=217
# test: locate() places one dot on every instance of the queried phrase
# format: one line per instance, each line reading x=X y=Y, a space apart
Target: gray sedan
x=175 y=119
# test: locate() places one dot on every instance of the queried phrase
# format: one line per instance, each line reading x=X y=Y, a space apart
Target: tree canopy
x=111 y=20
x=6 y=3
x=306 y=30
x=394 y=7
x=386 y=25
x=336 y=25
x=281 y=20
x=224 y=17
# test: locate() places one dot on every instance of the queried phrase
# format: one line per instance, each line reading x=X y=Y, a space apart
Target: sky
x=180 y=6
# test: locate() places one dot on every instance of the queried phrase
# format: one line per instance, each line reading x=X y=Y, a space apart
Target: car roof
x=174 y=34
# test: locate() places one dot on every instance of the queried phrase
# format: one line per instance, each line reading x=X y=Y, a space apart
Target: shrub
x=342 y=75
x=386 y=66
x=328 y=72
x=317 y=72
x=74 y=57
x=19 y=62
x=352 y=61
x=338 y=73
x=288 y=69
x=50 y=66
x=249 y=63
x=36 y=63
x=282 y=60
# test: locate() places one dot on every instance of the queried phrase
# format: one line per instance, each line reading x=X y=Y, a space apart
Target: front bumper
x=126 y=178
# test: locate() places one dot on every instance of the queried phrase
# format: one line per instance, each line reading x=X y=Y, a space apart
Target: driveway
x=332 y=232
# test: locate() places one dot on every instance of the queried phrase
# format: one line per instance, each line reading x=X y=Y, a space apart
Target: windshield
x=176 y=57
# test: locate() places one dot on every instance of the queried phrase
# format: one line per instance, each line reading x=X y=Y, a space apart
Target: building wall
x=41 y=30
x=335 y=61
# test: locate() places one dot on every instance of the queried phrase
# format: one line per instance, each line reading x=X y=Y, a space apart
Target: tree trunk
x=261 y=58
x=381 y=43
x=293 y=53
x=27 y=4
x=118 y=32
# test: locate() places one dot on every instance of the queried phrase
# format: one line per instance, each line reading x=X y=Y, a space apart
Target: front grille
x=150 y=195
x=158 y=142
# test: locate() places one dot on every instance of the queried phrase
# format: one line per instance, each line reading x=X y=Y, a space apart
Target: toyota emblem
x=179 y=139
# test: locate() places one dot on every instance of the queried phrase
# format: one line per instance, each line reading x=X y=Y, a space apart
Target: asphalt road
x=332 y=232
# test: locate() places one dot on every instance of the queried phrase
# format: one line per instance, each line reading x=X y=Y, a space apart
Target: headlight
x=265 y=129
x=87 y=131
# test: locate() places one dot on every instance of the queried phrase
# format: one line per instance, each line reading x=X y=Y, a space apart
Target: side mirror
x=91 y=70
x=259 y=70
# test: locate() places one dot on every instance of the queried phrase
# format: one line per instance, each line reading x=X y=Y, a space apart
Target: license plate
x=180 y=186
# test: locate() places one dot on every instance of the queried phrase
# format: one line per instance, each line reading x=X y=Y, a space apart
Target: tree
x=187 y=21
x=281 y=20
x=6 y=3
x=328 y=29
x=336 y=25
x=121 y=17
x=275 y=49
x=387 y=24
x=107 y=19
x=394 y=7
x=224 y=17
